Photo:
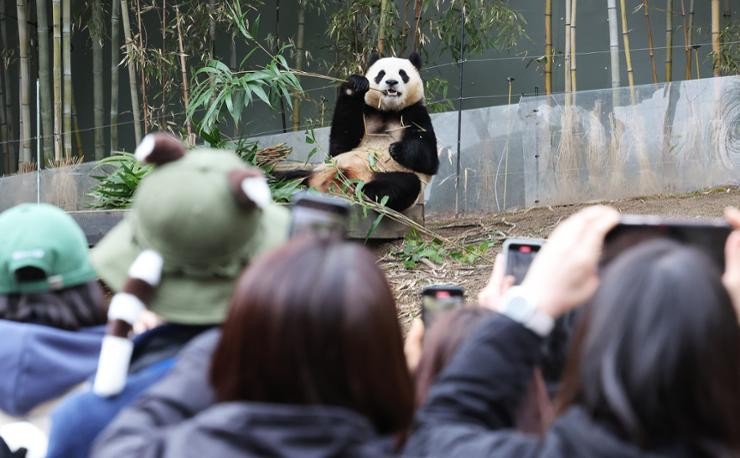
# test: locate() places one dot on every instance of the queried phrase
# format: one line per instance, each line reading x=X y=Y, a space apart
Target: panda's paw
x=396 y=151
x=357 y=84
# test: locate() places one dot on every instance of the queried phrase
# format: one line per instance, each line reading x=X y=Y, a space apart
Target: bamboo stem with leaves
x=651 y=40
x=573 y=7
x=131 y=70
x=144 y=100
x=567 y=48
x=299 y=52
x=25 y=83
x=183 y=68
x=381 y=28
x=57 y=79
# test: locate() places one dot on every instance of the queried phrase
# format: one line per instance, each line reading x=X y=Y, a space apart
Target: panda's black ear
x=415 y=59
x=374 y=57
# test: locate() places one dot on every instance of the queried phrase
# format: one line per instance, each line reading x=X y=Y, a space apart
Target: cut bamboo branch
x=299 y=43
x=97 y=35
x=614 y=42
x=651 y=40
x=67 y=76
x=131 y=70
x=715 y=38
x=669 y=40
x=25 y=85
x=567 y=48
x=573 y=8
x=627 y=54
x=56 y=19
x=115 y=61
x=42 y=29
x=183 y=69
x=548 y=47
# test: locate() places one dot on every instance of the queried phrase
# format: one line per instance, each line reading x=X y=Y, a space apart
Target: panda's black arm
x=417 y=150
x=347 y=126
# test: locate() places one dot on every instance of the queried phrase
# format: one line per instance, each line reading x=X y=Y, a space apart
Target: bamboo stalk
x=183 y=69
x=548 y=47
x=212 y=27
x=715 y=38
x=690 y=33
x=131 y=70
x=614 y=42
x=56 y=16
x=627 y=53
x=115 y=60
x=651 y=40
x=299 y=43
x=381 y=27
x=144 y=100
x=5 y=137
x=573 y=8
x=567 y=47
x=97 y=35
x=418 y=4
x=669 y=40
x=10 y=130
x=42 y=29
x=25 y=88
x=686 y=45
x=67 y=76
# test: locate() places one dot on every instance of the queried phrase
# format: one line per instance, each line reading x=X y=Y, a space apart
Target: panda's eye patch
x=404 y=76
x=380 y=76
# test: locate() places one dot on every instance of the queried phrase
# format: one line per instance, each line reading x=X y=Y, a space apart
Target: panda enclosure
x=518 y=149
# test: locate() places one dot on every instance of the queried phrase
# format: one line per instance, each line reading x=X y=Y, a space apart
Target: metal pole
x=38 y=141
x=461 y=64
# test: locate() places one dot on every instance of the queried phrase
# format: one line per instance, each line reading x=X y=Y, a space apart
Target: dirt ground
x=534 y=222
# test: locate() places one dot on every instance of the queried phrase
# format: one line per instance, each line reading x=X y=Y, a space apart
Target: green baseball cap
x=186 y=211
x=43 y=237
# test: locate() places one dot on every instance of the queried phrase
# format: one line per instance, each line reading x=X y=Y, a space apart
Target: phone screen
x=438 y=299
x=323 y=216
x=707 y=235
x=519 y=256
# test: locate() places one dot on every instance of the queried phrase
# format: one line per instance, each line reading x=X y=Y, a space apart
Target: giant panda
x=381 y=134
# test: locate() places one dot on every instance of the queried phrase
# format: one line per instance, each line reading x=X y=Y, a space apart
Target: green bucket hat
x=43 y=237
x=186 y=211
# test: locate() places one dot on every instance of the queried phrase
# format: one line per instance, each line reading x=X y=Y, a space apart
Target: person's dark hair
x=441 y=342
x=70 y=308
x=314 y=323
x=656 y=356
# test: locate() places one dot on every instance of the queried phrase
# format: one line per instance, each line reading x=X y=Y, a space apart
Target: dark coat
x=178 y=418
x=470 y=410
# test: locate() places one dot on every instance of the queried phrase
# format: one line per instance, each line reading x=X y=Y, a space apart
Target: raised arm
x=417 y=150
x=347 y=126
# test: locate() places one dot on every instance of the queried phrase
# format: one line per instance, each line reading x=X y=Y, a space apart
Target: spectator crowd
x=197 y=328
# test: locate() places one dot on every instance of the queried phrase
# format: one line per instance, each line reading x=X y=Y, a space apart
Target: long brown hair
x=656 y=356
x=314 y=323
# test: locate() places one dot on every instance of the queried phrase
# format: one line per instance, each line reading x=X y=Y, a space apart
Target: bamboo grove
x=169 y=55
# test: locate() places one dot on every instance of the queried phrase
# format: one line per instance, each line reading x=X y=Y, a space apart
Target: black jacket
x=469 y=412
x=178 y=418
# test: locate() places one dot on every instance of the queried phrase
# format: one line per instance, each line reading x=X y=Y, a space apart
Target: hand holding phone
x=518 y=256
x=436 y=299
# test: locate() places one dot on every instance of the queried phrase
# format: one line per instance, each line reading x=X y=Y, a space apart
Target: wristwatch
x=519 y=306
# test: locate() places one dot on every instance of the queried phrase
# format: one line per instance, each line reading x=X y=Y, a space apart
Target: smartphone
x=436 y=299
x=707 y=234
x=518 y=256
x=319 y=214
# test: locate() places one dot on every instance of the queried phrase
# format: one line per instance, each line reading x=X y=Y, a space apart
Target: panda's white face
x=394 y=84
